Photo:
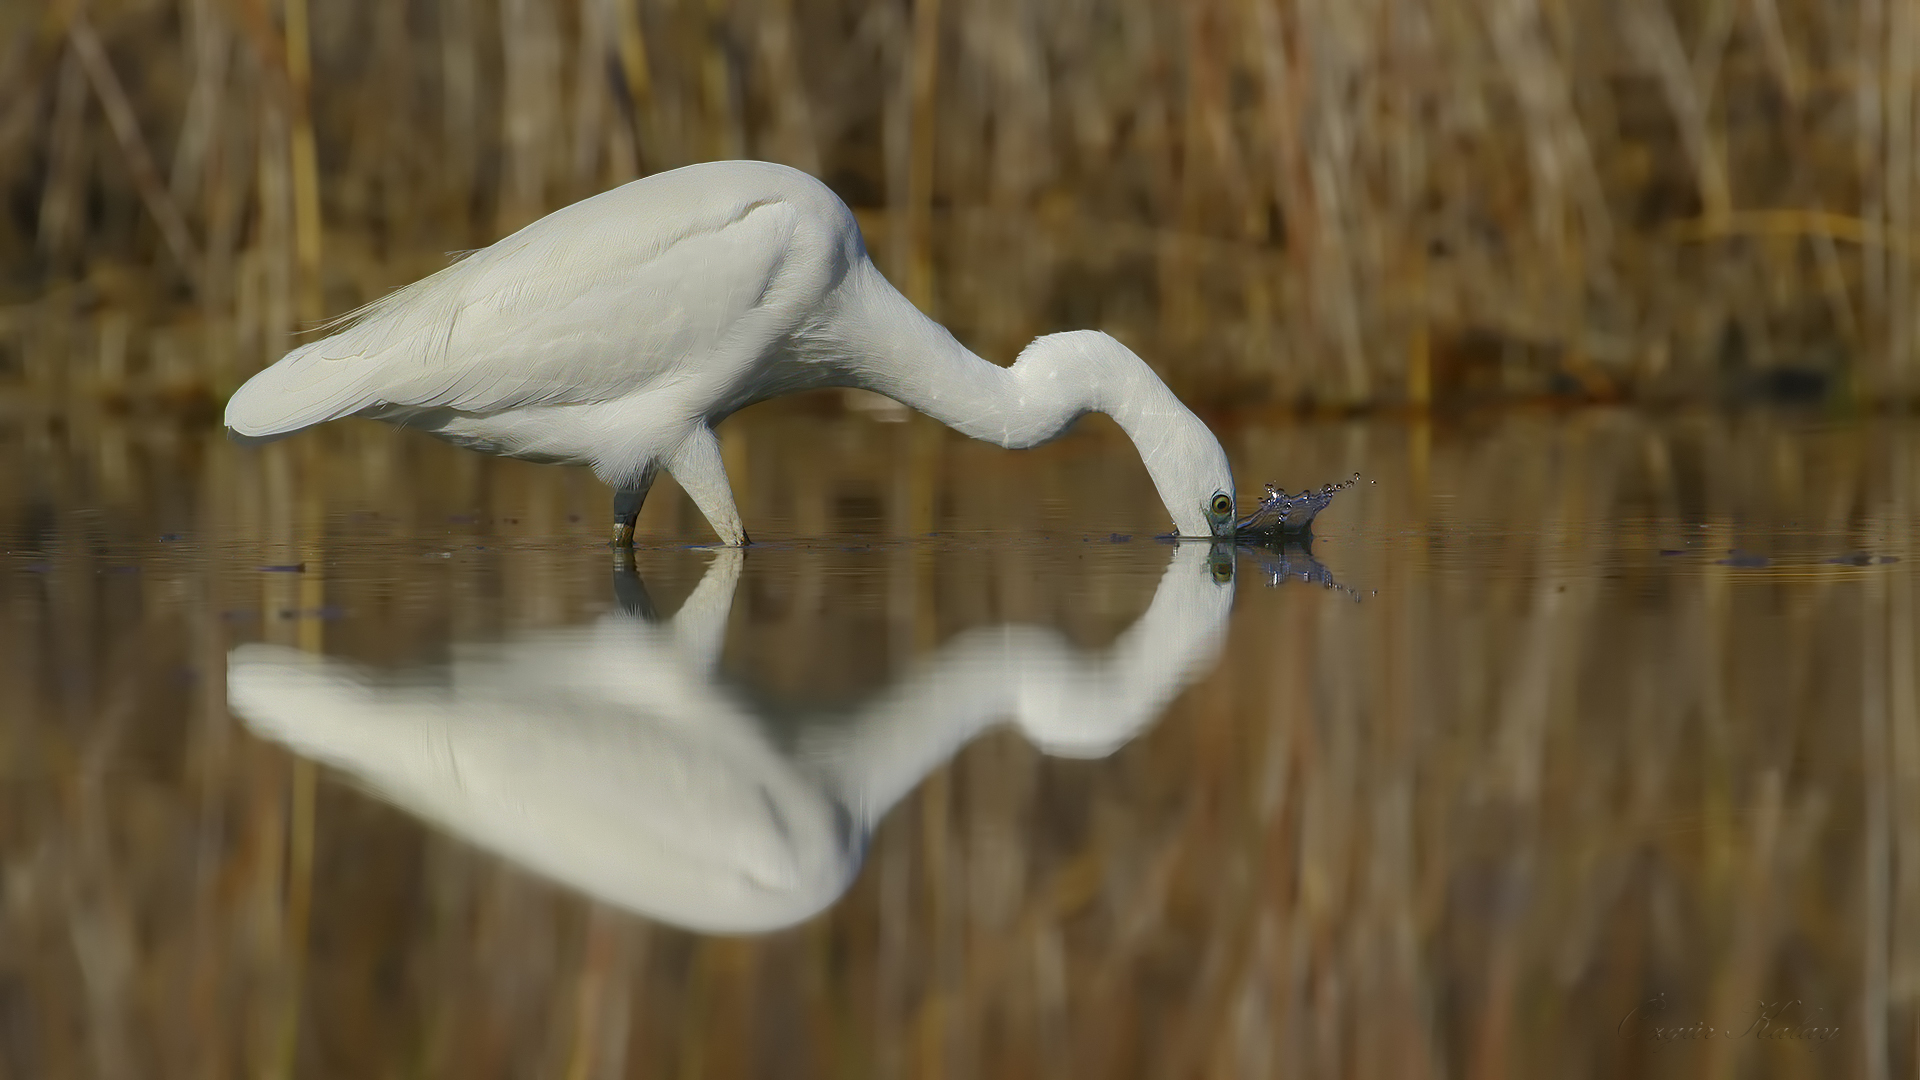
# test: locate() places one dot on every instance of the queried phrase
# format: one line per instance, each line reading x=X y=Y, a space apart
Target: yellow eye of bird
x=1222 y=504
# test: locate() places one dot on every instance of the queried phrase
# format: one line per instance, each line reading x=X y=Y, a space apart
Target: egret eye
x=1222 y=505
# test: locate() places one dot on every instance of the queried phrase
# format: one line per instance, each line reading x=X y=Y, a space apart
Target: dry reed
x=1297 y=201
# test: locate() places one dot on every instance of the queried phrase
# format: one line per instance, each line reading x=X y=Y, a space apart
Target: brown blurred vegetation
x=1338 y=202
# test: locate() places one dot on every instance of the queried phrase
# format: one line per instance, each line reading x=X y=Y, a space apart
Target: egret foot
x=623 y=535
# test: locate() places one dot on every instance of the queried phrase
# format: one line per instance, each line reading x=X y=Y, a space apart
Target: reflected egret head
x=1220 y=559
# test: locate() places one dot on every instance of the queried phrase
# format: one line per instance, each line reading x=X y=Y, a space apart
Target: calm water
x=1571 y=735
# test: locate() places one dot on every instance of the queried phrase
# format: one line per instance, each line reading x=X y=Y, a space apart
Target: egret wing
x=589 y=304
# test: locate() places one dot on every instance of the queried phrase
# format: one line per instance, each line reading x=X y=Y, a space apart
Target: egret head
x=1220 y=515
x=1191 y=471
x=1181 y=453
x=1064 y=375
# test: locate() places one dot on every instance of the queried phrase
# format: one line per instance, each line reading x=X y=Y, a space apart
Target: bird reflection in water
x=609 y=757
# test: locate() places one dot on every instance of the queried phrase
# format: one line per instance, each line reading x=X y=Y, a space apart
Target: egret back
x=688 y=275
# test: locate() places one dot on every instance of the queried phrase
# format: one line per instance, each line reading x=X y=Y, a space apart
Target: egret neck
x=885 y=344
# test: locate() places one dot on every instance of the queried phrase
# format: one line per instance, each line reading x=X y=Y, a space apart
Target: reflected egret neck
x=615 y=333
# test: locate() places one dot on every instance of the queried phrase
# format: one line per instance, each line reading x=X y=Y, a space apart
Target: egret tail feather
x=299 y=391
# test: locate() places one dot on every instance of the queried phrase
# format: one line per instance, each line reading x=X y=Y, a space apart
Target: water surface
x=362 y=756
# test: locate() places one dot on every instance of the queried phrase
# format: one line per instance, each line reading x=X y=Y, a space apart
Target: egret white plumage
x=616 y=332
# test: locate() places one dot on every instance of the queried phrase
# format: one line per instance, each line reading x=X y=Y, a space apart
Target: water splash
x=1280 y=513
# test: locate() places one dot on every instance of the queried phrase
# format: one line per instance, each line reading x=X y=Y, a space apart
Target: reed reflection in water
x=1626 y=710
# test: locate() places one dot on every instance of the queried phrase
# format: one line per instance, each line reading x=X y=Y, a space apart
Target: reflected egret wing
x=648 y=793
x=570 y=310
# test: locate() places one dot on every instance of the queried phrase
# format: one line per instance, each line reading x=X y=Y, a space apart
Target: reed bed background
x=1538 y=775
x=1298 y=202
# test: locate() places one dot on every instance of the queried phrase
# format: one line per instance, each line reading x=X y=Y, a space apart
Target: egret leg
x=626 y=510
x=697 y=467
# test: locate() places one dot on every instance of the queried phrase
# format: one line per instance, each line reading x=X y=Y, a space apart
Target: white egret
x=612 y=758
x=616 y=332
